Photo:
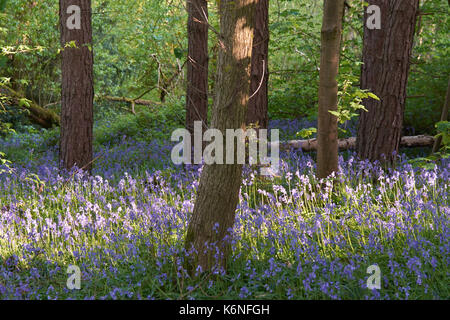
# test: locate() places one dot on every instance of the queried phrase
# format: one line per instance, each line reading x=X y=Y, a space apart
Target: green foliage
x=7 y=117
x=2 y=5
x=306 y=133
x=140 y=45
x=294 y=58
x=29 y=44
x=137 y=45
x=6 y=128
x=6 y=164
x=430 y=68
x=146 y=125
x=350 y=101
x=443 y=129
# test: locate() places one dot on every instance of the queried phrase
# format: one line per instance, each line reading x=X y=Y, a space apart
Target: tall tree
x=197 y=65
x=218 y=191
x=327 y=133
x=77 y=94
x=258 y=103
x=386 y=56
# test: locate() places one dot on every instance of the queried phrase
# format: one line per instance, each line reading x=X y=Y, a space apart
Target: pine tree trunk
x=197 y=65
x=385 y=71
x=218 y=192
x=327 y=134
x=77 y=93
x=258 y=104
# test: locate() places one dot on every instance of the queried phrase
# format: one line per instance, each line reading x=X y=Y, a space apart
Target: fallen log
x=129 y=100
x=133 y=102
x=350 y=143
x=38 y=115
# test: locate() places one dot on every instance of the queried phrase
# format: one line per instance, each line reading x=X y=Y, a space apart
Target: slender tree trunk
x=218 y=192
x=77 y=93
x=258 y=104
x=444 y=117
x=197 y=65
x=385 y=71
x=327 y=135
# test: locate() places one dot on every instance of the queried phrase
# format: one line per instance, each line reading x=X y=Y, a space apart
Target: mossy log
x=38 y=115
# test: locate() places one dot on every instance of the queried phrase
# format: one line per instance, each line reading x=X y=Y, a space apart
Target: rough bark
x=218 y=191
x=258 y=103
x=77 y=94
x=37 y=114
x=350 y=143
x=197 y=64
x=386 y=56
x=327 y=133
x=444 y=117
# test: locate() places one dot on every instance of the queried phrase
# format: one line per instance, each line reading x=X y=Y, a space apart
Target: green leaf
x=306 y=133
x=3 y=61
x=179 y=53
x=373 y=96
x=335 y=113
x=24 y=102
x=2 y=5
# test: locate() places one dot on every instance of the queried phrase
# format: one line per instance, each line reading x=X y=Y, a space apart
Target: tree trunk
x=197 y=64
x=77 y=93
x=218 y=192
x=327 y=133
x=444 y=117
x=385 y=71
x=258 y=104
